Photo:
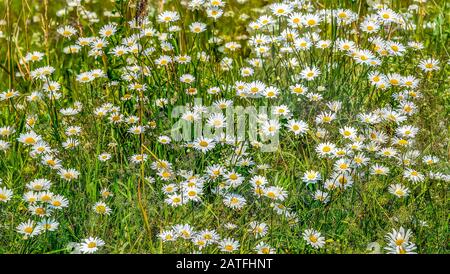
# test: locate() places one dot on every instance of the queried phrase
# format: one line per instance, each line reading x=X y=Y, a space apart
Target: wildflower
x=168 y=236
x=29 y=229
x=108 y=30
x=48 y=224
x=398 y=242
x=228 y=245
x=325 y=149
x=101 y=208
x=91 y=245
x=39 y=185
x=197 y=27
x=280 y=9
x=175 y=200
x=379 y=170
x=204 y=144
x=321 y=196
x=429 y=65
x=314 y=238
x=68 y=174
x=310 y=73
x=413 y=175
x=29 y=138
x=398 y=190
x=67 y=31
x=271 y=127
x=104 y=157
x=297 y=127
x=168 y=17
x=258 y=229
x=5 y=194
x=234 y=201
x=311 y=176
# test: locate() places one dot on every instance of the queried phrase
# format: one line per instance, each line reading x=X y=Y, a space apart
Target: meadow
x=350 y=155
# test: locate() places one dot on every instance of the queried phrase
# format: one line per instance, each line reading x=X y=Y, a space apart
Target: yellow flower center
x=402 y=142
x=313 y=238
x=399 y=242
x=101 y=209
x=311 y=22
x=229 y=248
x=399 y=192
x=30 y=140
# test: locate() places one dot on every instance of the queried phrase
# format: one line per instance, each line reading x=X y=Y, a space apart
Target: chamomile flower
x=314 y=238
x=104 y=157
x=175 y=200
x=258 y=229
x=101 y=208
x=310 y=73
x=5 y=194
x=429 y=65
x=217 y=120
x=321 y=196
x=275 y=193
x=29 y=138
x=234 y=201
x=69 y=174
x=48 y=224
x=281 y=9
x=39 y=185
x=311 y=176
x=228 y=245
x=379 y=170
x=270 y=127
x=348 y=132
x=29 y=229
x=168 y=17
x=398 y=190
x=108 y=30
x=91 y=245
x=413 y=175
x=298 y=127
x=263 y=248
x=204 y=144
x=67 y=31
x=399 y=241
x=325 y=149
